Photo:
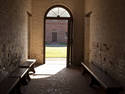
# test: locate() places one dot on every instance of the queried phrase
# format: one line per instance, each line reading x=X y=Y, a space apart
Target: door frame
x=70 y=33
x=29 y=17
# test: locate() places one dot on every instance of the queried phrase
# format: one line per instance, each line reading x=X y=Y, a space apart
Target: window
x=58 y=12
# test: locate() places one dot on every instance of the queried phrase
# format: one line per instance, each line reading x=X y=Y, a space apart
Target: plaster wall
x=107 y=26
x=39 y=8
x=13 y=34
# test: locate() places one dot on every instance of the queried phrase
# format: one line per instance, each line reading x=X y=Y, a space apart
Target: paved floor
x=54 y=78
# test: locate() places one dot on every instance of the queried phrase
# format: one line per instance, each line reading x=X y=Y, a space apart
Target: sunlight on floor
x=52 y=67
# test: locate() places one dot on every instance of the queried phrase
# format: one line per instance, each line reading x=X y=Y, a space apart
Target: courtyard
x=58 y=50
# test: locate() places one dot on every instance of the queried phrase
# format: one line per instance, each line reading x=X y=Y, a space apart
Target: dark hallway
x=97 y=39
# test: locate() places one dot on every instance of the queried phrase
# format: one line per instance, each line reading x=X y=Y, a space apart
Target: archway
x=58 y=23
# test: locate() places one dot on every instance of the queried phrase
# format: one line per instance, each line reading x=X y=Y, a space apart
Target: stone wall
x=107 y=35
x=13 y=33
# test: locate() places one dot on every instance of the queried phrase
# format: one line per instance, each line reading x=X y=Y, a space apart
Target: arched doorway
x=54 y=16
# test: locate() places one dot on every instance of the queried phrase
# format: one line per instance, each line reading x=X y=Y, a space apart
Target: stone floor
x=55 y=78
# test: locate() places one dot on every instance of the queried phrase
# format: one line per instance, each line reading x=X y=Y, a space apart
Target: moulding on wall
x=88 y=14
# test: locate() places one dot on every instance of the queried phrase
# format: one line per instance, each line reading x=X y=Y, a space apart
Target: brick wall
x=58 y=26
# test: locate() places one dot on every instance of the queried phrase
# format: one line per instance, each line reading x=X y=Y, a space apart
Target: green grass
x=52 y=52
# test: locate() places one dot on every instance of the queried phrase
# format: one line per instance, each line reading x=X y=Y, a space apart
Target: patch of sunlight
x=39 y=76
x=54 y=52
x=49 y=69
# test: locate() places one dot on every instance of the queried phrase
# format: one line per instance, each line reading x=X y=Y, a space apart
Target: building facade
x=56 y=31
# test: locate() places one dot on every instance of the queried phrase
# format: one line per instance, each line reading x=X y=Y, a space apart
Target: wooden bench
x=28 y=64
x=101 y=78
x=8 y=84
x=22 y=74
x=12 y=82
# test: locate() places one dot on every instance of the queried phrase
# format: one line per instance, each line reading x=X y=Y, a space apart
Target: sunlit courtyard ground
x=55 y=51
x=50 y=68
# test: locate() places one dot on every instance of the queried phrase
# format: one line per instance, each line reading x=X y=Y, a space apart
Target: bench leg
x=16 y=89
x=84 y=71
x=94 y=82
x=28 y=77
x=32 y=69
x=25 y=79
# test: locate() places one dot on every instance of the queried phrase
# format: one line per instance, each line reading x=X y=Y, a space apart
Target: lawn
x=52 y=52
